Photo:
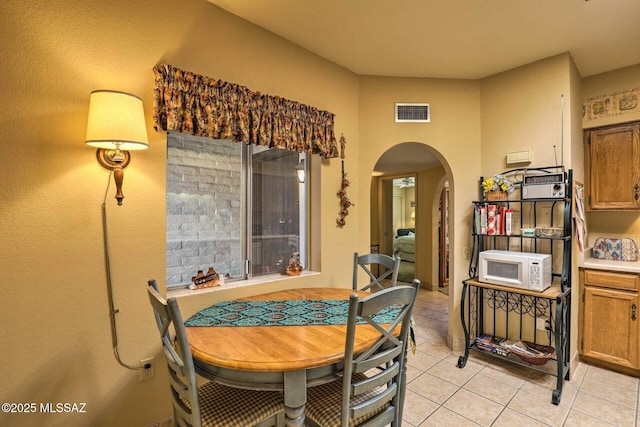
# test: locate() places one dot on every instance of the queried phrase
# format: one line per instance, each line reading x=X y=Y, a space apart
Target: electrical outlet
x=147 y=368
x=546 y=215
x=465 y=253
x=542 y=324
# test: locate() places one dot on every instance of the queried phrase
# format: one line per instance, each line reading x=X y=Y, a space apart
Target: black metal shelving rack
x=481 y=303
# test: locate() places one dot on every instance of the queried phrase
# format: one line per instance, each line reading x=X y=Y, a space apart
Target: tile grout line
x=570 y=405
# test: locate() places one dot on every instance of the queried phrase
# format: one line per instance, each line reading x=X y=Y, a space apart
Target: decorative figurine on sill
x=208 y=280
x=293 y=268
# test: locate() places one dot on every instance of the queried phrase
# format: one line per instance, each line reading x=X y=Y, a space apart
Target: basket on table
x=546 y=353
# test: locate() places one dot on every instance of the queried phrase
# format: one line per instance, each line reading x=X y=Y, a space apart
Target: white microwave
x=522 y=270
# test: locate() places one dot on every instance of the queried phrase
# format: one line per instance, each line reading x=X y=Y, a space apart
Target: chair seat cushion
x=223 y=406
x=324 y=403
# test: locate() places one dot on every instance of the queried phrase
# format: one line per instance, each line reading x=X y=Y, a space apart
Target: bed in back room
x=404 y=244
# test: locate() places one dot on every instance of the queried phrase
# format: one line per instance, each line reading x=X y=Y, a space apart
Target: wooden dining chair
x=390 y=265
x=211 y=404
x=373 y=384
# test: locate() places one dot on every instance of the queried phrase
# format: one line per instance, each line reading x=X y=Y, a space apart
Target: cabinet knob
x=636 y=189
x=633 y=312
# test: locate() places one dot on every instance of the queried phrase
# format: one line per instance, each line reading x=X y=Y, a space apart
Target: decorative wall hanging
x=345 y=203
x=613 y=104
x=202 y=106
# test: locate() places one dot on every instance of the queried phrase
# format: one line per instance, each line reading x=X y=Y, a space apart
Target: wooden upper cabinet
x=614 y=167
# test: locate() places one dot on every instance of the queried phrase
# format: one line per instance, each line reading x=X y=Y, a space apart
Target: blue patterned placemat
x=280 y=313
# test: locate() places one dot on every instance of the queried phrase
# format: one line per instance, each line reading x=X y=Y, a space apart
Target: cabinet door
x=611 y=326
x=614 y=162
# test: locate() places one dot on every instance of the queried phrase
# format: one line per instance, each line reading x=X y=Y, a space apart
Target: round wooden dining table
x=283 y=357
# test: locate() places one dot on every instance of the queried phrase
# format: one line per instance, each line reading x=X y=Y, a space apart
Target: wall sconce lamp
x=115 y=126
x=413 y=216
x=300 y=171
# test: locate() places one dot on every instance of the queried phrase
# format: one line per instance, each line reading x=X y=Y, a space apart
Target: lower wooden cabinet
x=610 y=308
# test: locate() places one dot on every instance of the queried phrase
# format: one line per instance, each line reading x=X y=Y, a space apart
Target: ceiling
x=465 y=39
x=405 y=158
x=460 y=39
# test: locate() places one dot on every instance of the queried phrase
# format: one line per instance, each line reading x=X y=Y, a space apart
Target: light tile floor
x=489 y=392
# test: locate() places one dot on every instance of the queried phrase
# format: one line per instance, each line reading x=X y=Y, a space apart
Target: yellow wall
x=429 y=185
x=56 y=336
x=409 y=196
x=574 y=127
x=454 y=137
x=522 y=110
x=533 y=108
x=374 y=216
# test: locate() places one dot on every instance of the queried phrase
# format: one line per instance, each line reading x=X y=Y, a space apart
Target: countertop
x=587 y=261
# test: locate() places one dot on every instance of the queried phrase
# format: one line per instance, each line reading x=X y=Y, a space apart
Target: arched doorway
x=432 y=176
x=411 y=175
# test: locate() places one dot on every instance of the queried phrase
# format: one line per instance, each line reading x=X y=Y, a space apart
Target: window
x=236 y=207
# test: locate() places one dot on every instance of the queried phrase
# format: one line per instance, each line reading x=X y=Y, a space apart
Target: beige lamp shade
x=116 y=120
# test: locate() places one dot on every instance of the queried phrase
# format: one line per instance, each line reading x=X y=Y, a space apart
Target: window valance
x=202 y=106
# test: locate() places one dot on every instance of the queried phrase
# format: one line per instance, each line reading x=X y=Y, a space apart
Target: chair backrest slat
x=362 y=365
x=389 y=266
x=381 y=390
x=377 y=402
x=385 y=418
x=179 y=360
x=376 y=380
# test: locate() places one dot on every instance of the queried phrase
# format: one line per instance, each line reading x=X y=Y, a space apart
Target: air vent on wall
x=412 y=113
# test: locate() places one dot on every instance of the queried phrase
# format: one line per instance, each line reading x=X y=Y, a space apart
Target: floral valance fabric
x=202 y=106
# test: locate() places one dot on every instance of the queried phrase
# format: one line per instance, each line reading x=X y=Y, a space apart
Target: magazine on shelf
x=492 y=344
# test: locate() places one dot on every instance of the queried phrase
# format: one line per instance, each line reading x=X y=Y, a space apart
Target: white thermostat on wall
x=516 y=157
